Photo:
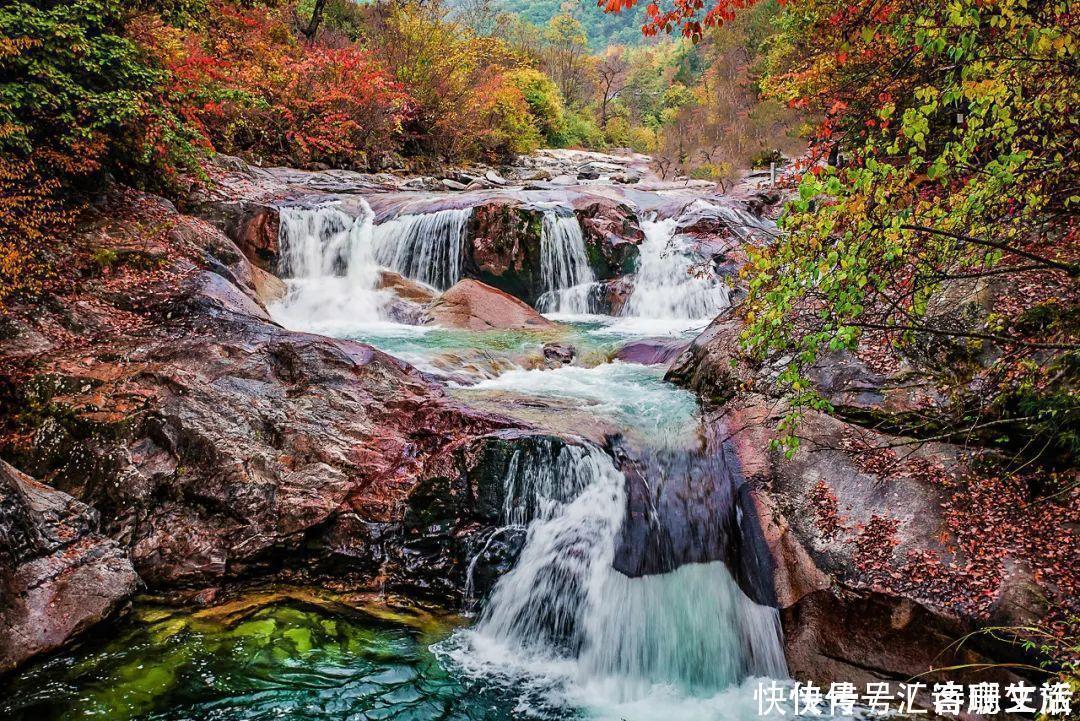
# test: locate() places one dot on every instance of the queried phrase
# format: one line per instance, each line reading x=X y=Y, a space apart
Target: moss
x=104 y=258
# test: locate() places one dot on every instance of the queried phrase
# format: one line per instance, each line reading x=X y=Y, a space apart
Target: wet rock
x=455 y=533
x=865 y=637
x=654 y=351
x=405 y=288
x=609 y=297
x=268 y=287
x=253 y=226
x=473 y=305
x=868 y=577
x=612 y=236
x=58 y=575
x=691 y=506
x=849 y=609
x=712 y=365
x=558 y=354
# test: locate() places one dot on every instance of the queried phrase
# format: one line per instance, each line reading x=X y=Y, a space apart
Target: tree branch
x=1071 y=269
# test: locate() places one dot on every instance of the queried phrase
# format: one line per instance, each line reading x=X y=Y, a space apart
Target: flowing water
x=564 y=634
x=329 y=258
x=564 y=266
x=671 y=284
x=429 y=248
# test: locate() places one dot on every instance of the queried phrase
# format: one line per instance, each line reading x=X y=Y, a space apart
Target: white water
x=564 y=266
x=669 y=284
x=429 y=248
x=564 y=627
x=332 y=277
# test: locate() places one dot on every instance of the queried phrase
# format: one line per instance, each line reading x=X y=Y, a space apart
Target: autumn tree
x=611 y=73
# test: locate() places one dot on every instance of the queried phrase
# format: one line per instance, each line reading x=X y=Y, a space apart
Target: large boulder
x=873 y=576
x=252 y=225
x=472 y=305
x=651 y=351
x=612 y=235
x=58 y=575
x=889 y=548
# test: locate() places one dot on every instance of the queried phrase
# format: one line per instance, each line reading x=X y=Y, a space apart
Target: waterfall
x=326 y=258
x=668 y=284
x=429 y=247
x=566 y=614
x=567 y=278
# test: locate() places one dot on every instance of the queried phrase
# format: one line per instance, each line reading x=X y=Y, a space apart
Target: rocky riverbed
x=448 y=395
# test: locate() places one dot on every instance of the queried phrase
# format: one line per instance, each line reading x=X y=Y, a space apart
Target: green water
x=283 y=657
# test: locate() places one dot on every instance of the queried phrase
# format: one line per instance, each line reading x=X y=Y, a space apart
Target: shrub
x=544 y=100
x=641 y=140
x=252 y=89
x=580 y=131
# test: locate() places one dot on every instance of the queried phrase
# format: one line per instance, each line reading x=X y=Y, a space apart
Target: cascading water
x=326 y=257
x=429 y=247
x=566 y=617
x=564 y=266
x=668 y=284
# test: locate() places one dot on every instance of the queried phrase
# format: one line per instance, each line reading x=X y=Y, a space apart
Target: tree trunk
x=316 y=19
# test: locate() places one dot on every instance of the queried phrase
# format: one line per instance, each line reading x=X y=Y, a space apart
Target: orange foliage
x=30 y=221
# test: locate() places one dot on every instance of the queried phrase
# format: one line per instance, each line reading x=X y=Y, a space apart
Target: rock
x=610 y=296
x=405 y=288
x=690 y=506
x=253 y=226
x=473 y=305
x=850 y=608
x=268 y=287
x=58 y=575
x=866 y=637
x=612 y=236
x=558 y=354
x=495 y=178
x=871 y=576
x=506 y=239
x=452 y=184
x=655 y=351
x=450 y=520
x=588 y=175
x=712 y=365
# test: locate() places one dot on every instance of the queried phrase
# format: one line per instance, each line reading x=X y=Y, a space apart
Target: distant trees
x=566 y=57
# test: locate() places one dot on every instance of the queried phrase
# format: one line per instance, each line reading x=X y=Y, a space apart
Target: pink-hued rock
x=473 y=305
x=657 y=351
x=58 y=576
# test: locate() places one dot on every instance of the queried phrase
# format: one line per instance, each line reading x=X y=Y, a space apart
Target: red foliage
x=683 y=14
x=826 y=511
x=250 y=87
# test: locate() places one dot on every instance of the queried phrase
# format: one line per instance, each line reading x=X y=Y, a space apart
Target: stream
x=639 y=592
